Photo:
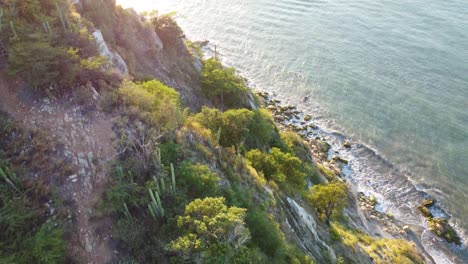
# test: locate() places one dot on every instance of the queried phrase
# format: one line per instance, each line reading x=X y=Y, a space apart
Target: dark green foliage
x=197 y=180
x=222 y=85
x=265 y=232
x=167 y=29
x=47 y=245
x=169 y=152
x=261 y=130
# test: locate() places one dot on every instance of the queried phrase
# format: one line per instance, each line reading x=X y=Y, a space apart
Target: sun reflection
x=147 y=5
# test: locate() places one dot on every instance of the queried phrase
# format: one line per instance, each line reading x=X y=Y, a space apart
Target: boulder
x=307 y=117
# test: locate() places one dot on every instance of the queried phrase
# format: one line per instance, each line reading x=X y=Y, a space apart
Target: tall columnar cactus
x=157 y=160
x=13 y=29
x=218 y=136
x=63 y=18
x=127 y=212
x=155 y=206
x=173 y=178
x=157 y=184
x=47 y=28
x=1 y=18
x=179 y=117
x=11 y=179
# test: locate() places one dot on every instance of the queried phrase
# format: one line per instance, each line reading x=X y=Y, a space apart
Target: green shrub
x=197 y=180
x=261 y=130
x=42 y=65
x=278 y=166
x=152 y=102
x=265 y=232
x=169 y=152
x=47 y=246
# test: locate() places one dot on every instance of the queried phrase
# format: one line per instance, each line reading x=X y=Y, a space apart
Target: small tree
x=328 y=199
x=223 y=84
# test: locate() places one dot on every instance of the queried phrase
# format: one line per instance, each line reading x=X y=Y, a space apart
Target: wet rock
x=271 y=108
x=279 y=118
x=428 y=202
x=425 y=211
x=347 y=144
x=339 y=159
x=442 y=228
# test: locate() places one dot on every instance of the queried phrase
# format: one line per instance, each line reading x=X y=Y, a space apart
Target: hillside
x=121 y=144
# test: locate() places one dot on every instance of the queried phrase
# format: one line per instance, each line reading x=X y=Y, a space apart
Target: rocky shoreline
x=289 y=117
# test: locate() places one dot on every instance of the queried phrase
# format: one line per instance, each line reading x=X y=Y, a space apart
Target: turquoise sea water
x=392 y=75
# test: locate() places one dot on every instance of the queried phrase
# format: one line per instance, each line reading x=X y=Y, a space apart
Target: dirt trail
x=88 y=145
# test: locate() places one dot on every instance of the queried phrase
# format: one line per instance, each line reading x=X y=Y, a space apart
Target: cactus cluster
x=11 y=179
x=63 y=18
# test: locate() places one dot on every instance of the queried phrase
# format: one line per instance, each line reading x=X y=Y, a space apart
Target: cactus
x=13 y=29
x=163 y=185
x=157 y=184
x=218 y=136
x=63 y=19
x=11 y=179
x=157 y=161
x=173 y=179
x=120 y=172
x=155 y=207
x=179 y=117
x=1 y=18
x=47 y=28
x=127 y=212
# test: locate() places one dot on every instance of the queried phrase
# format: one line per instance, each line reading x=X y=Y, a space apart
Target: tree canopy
x=328 y=199
x=223 y=85
x=209 y=226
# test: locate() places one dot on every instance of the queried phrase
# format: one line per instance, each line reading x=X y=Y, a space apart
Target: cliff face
x=130 y=36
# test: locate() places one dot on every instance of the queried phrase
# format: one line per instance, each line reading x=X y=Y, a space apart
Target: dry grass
x=380 y=250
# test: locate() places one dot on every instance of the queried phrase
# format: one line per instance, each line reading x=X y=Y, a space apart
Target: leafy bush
x=278 y=166
x=198 y=180
x=152 y=102
x=169 y=152
x=234 y=125
x=265 y=232
x=41 y=65
x=167 y=29
x=223 y=85
x=261 y=130
x=211 y=229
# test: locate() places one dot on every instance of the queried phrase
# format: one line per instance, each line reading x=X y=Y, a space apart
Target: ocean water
x=392 y=75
